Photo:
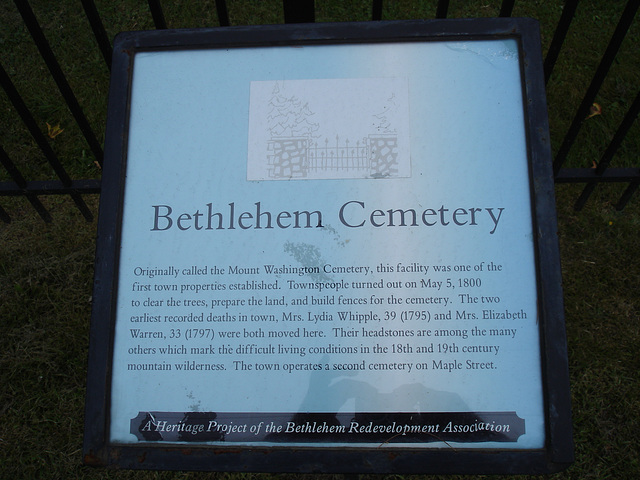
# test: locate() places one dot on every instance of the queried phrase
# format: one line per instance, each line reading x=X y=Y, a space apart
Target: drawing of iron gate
x=301 y=157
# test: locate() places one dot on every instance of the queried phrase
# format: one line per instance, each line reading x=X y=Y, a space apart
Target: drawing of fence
x=301 y=157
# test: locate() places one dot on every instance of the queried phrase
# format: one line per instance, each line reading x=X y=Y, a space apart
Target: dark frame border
x=558 y=451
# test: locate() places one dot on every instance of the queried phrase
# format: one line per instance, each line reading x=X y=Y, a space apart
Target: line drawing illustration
x=328 y=129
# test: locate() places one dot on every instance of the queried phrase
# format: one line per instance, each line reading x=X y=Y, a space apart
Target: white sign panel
x=328 y=244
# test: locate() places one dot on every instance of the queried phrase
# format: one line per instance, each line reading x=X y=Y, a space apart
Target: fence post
x=299 y=11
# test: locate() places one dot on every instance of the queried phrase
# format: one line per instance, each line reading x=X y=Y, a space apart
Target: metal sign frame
x=557 y=453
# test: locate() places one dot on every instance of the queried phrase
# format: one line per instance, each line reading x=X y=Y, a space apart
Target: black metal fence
x=299 y=11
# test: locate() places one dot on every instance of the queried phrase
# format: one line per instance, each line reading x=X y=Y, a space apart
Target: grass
x=46 y=270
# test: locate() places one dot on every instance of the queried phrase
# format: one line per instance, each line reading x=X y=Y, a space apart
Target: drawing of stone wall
x=383 y=156
x=287 y=157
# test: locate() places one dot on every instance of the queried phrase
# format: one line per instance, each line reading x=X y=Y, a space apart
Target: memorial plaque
x=329 y=248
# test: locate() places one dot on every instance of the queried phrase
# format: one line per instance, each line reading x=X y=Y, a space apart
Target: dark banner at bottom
x=465 y=427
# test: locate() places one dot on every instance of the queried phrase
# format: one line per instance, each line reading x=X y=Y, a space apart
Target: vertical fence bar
x=22 y=183
x=56 y=72
x=299 y=11
x=627 y=194
x=223 y=14
x=601 y=72
x=568 y=12
x=38 y=136
x=157 y=14
x=507 y=8
x=619 y=136
x=99 y=32
x=376 y=10
x=442 y=9
x=4 y=216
